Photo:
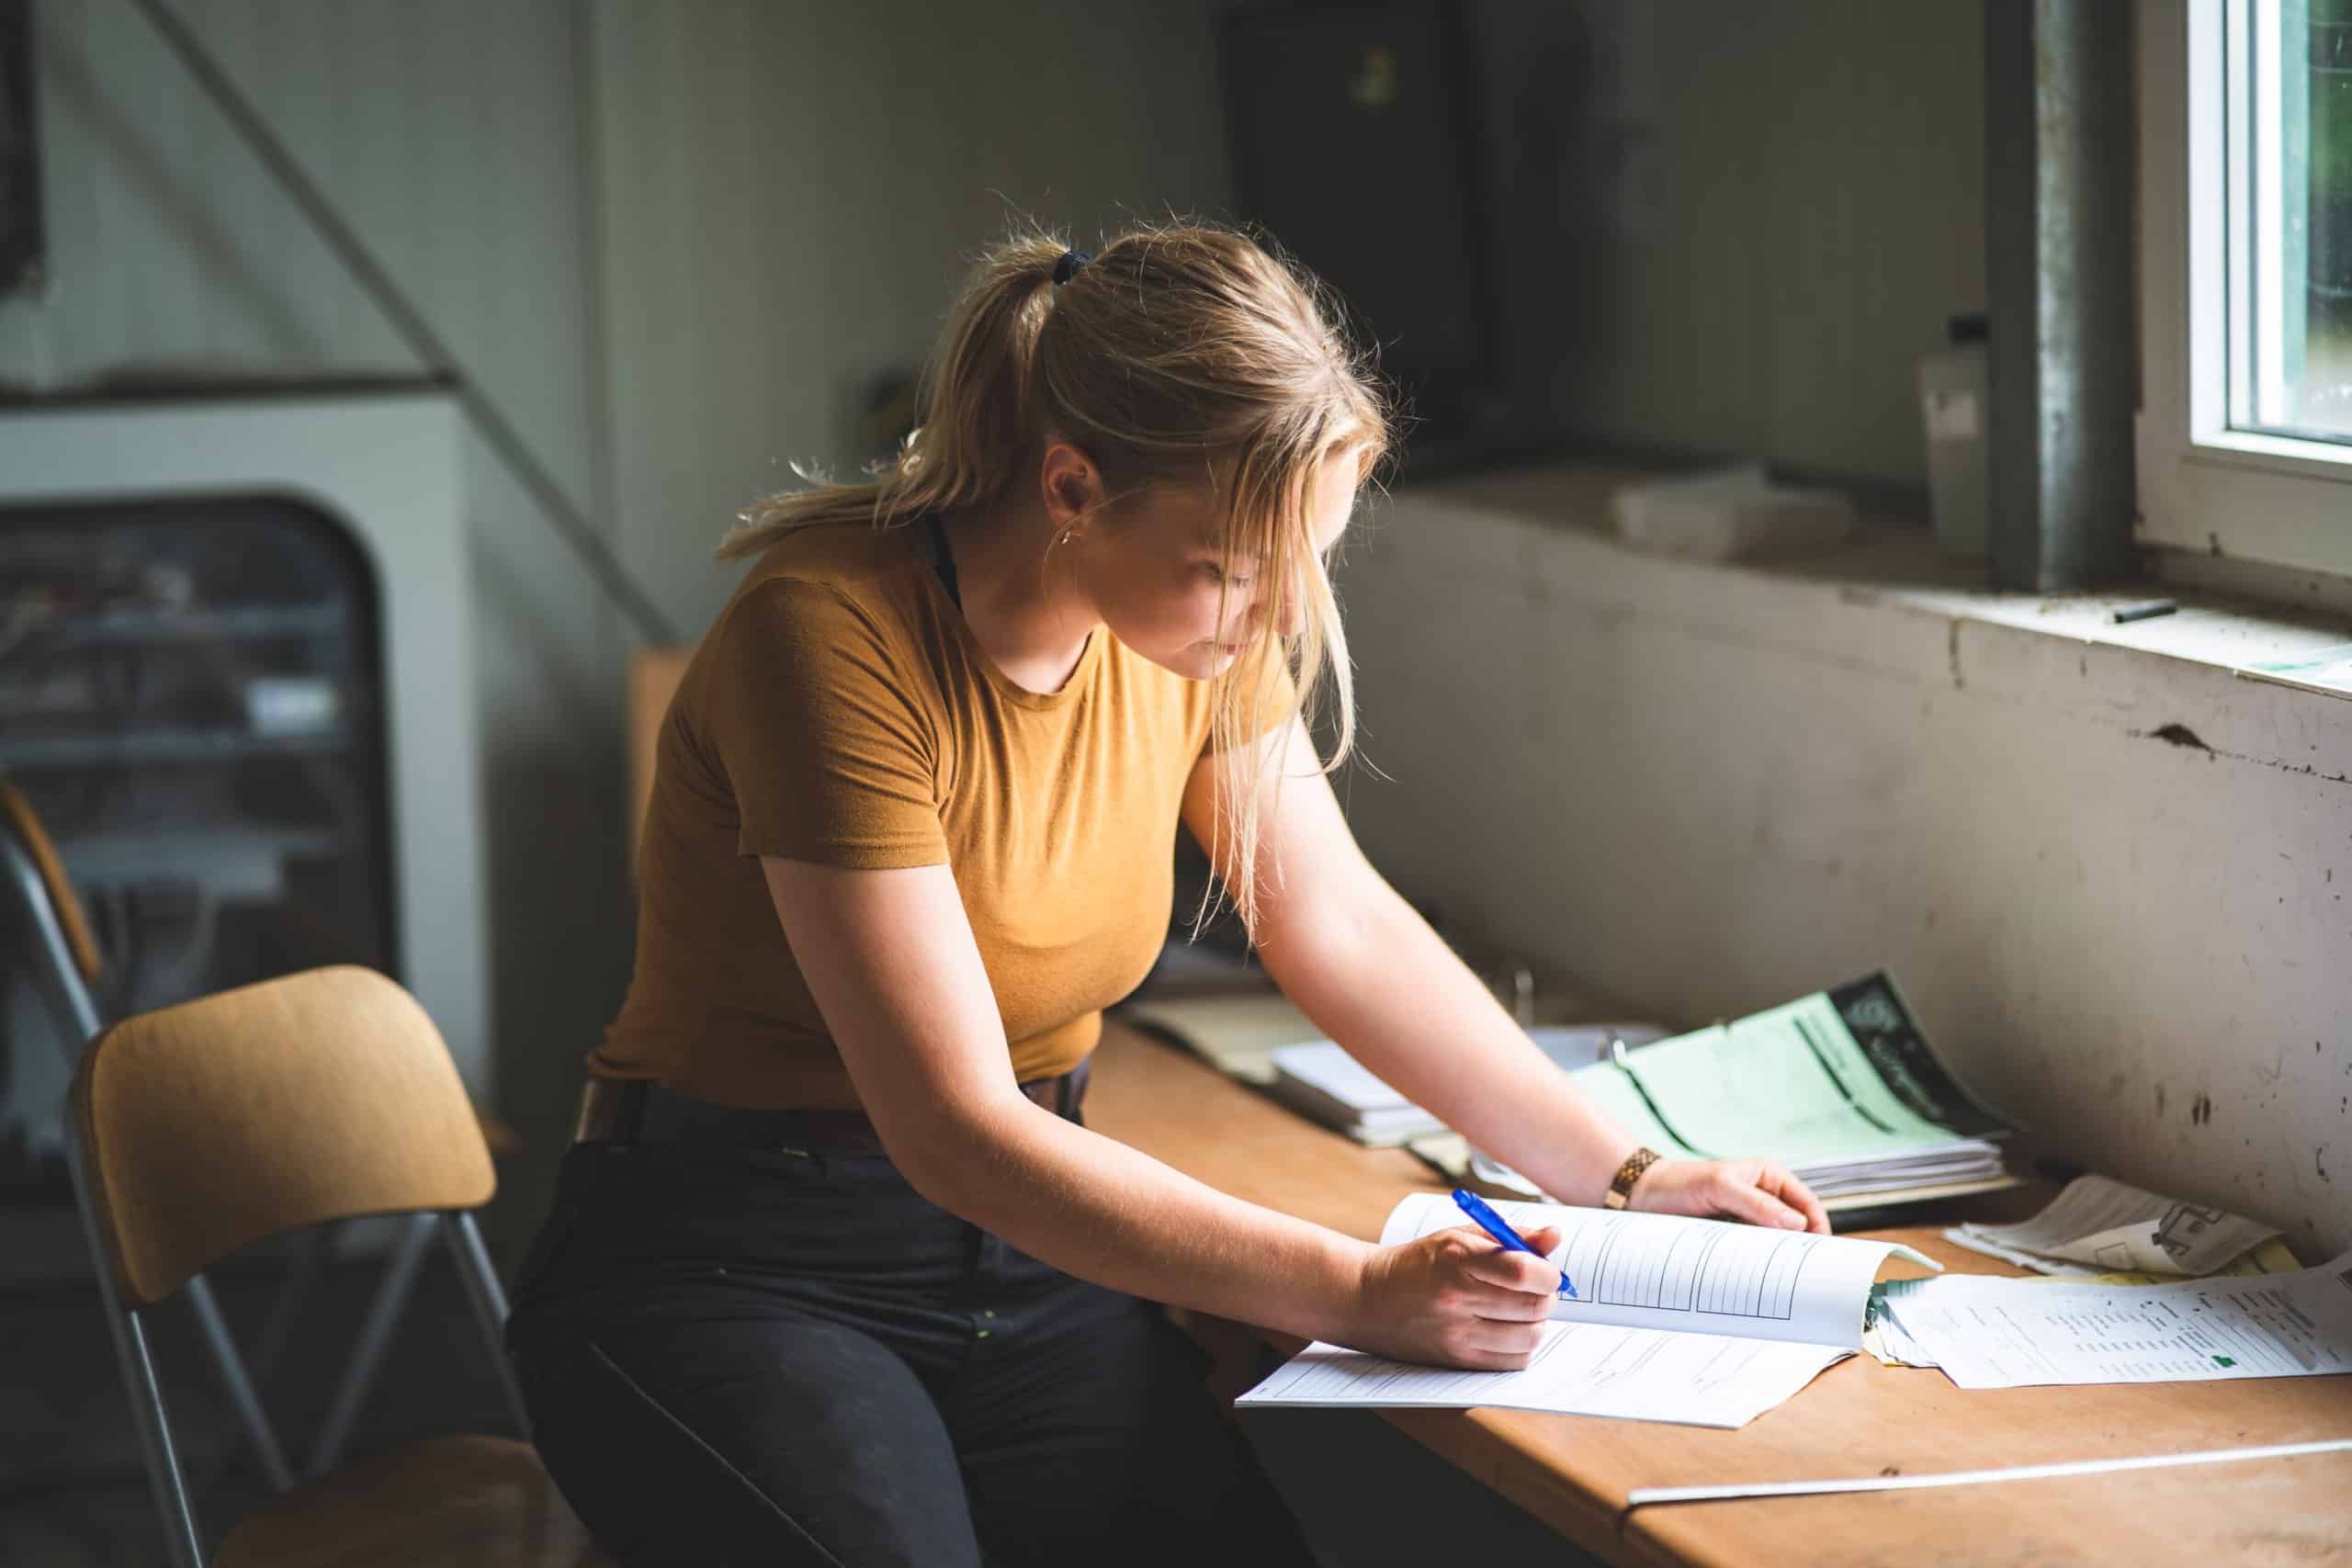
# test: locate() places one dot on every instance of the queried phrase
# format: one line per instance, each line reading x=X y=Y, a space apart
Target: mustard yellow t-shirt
x=840 y=711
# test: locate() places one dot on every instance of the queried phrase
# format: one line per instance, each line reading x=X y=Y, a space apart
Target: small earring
x=1062 y=537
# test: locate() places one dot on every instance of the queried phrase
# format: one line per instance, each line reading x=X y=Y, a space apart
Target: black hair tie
x=1066 y=268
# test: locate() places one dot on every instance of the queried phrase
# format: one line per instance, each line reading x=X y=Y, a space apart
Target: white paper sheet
x=1642 y=1374
x=2098 y=1226
x=1886 y=1340
x=1988 y=1333
x=1707 y=1277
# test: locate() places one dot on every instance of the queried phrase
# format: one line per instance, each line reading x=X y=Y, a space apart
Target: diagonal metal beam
x=409 y=322
x=375 y=1333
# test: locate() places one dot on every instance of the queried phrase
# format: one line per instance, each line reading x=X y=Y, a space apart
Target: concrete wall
x=1771 y=210
x=1709 y=790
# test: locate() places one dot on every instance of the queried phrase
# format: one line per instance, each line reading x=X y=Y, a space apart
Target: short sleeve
x=812 y=712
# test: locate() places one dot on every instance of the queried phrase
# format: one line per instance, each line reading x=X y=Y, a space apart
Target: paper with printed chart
x=1883 y=1334
x=2003 y=1333
x=1693 y=1321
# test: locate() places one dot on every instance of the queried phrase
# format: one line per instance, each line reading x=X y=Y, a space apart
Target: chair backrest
x=19 y=819
x=212 y=1124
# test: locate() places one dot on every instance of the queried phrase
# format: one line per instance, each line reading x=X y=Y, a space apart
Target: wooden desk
x=1857 y=1419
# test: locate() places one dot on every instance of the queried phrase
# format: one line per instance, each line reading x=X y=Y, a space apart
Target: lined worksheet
x=1663 y=1271
x=1699 y=1322
x=1642 y=1374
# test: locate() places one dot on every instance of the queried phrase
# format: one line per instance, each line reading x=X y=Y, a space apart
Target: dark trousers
x=735 y=1357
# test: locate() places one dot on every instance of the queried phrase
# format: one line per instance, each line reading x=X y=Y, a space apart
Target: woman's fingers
x=1513 y=1268
x=1782 y=1183
x=1757 y=1191
x=1491 y=1344
x=1508 y=1285
x=1513 y=1271
x=1455 y=1299
x=1509 y=1306
x=1739 y=1194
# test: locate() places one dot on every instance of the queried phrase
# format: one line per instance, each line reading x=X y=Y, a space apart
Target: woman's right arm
x=889 y=957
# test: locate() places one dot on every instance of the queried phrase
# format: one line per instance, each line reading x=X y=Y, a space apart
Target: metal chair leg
x=231 y=1368
x=68 y=994
x=488 y=1302
x=400 y=1278
x=164 y=1474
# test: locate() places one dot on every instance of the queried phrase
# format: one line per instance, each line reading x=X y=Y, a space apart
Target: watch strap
x=1620 y=1186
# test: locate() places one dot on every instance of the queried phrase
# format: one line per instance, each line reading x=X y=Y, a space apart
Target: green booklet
x=1841 y=1086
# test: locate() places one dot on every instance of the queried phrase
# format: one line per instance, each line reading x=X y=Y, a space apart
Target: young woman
x=837 y=1273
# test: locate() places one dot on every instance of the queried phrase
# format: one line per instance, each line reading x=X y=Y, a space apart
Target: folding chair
x=69 y=963
x=68 y=966
x=329 y=1095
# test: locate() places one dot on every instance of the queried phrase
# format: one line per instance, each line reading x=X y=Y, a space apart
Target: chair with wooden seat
x=201 y=1128
x=70 y=970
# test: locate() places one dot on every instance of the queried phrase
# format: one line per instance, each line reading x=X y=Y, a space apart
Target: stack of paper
x=1840 y=1085
x=1692 y=1321
x=1321 y=1081
x=2099 y=1226
x=1325 y=1083
x=1239 y=1035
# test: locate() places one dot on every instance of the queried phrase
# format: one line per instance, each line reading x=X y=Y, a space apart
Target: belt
x=625 y=1112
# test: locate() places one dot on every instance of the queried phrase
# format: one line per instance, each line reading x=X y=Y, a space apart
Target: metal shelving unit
x=191 y=696
x=161 y=744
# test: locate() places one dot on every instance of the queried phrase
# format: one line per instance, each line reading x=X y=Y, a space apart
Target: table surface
x=1857 y=1419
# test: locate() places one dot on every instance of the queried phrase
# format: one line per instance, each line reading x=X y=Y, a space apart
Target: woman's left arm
x=1355 y=958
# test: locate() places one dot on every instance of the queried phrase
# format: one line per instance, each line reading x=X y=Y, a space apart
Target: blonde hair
x=1184 y=354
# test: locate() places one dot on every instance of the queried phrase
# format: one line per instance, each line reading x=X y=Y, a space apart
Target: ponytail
x=974 y=412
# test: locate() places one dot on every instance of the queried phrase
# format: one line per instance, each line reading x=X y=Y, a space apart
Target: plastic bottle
x=1952 y=403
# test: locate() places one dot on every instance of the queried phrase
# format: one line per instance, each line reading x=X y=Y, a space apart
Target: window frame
x=2203 y=485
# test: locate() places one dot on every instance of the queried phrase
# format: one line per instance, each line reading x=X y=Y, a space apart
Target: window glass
x=2290 y=177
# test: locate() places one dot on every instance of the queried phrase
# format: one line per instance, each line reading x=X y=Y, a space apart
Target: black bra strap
x=942 y=559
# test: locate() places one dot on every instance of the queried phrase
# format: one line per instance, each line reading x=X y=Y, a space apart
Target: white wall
x=1709 y=790
x=792 y=193
x=1773 y=206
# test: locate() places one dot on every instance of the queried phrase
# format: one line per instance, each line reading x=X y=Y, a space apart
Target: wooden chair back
x=321 y=1096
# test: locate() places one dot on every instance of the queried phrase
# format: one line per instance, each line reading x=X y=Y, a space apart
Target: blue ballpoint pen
x=1495 y=1225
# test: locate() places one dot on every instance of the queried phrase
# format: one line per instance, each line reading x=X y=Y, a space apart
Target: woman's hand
x=1755 y=1191
x=1455 y=1299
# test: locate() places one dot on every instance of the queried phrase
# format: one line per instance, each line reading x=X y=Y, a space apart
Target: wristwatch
x=1620 y=1186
